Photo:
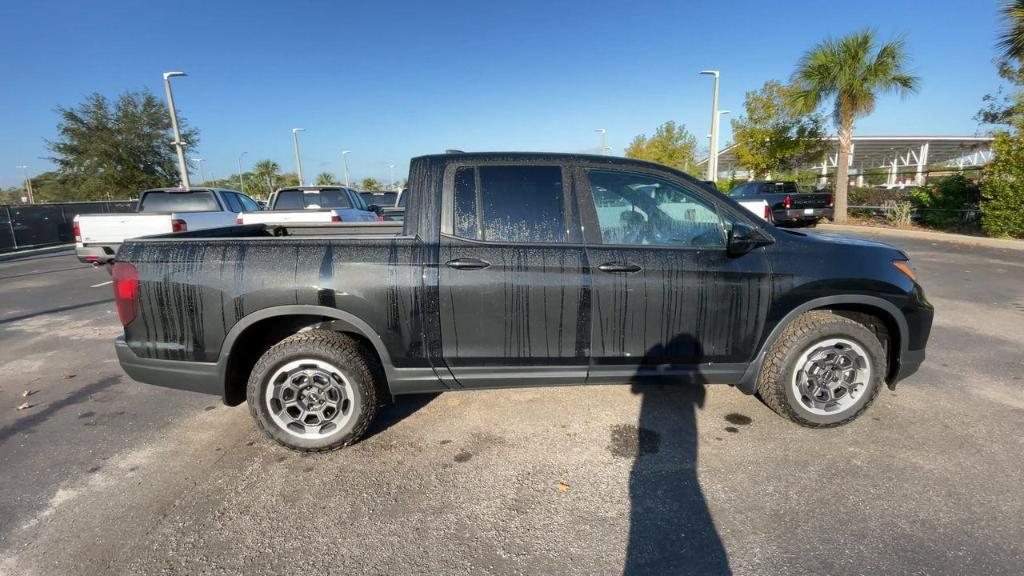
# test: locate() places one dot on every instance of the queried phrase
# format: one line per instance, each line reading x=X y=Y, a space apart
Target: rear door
x=514 y=287
x=668 y=302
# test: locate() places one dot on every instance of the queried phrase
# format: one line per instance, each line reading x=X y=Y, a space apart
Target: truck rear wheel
x=823 y=371
x=314 y=391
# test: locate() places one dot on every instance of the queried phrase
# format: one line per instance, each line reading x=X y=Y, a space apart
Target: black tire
x=352 y=360
x=775 y=383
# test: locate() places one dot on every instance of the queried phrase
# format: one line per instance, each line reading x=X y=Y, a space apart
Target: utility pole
x=241 y=183
x=28 y=183
x=298 y=157
x=178 y=145
x=713 y=153
x=344 y=160
x=391 y=175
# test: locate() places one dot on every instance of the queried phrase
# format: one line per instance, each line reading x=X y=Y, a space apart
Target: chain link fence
x=36 y=225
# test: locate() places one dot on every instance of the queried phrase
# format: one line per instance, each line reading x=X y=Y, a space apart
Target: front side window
x=637 y=209
x=510 y=204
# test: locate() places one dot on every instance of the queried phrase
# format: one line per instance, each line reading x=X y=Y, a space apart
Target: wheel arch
x=286 y=320
x=892 y=319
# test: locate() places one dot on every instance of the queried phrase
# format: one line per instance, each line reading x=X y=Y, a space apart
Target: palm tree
x=325 y=179
x=851 y=72
x=1012 y=39
x=266 y=171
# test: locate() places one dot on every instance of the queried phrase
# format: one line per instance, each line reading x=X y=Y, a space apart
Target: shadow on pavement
x=55 y=310
x=670 y=527
x=400 y=409
x=41 y=272
x=40 y=416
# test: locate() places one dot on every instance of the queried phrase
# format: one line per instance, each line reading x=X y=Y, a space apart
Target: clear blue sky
x=393 y=80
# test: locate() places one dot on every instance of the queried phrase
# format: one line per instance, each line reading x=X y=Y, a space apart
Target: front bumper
x=96 y=253
x=203 y=377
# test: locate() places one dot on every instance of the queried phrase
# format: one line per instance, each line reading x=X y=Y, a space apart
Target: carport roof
x=876 y=151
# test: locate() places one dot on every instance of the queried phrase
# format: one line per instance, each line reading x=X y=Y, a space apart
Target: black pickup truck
x=788 y=204
x=519 y=269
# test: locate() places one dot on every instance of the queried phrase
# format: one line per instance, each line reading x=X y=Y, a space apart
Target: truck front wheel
x=314 y=391
x=823 y=371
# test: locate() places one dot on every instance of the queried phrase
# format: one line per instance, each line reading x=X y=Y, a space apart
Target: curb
x=929 y=235
x=19 y=254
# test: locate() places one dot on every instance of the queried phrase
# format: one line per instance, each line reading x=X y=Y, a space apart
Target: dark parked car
x=788 y=204
x=519 y=269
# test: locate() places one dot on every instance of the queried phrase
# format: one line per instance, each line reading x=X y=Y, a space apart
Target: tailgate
x=811 y=200
x=287 y=216
x=115 y=228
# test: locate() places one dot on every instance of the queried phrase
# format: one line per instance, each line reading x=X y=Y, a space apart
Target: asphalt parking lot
x=102 y=475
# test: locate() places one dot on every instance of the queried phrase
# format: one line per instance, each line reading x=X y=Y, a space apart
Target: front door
x=514 y=291
x=668 y=302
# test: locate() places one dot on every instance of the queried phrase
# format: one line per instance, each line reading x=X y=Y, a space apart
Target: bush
x=1002 y=190
x=867 y=196
x=943 y=205
x=899 y=213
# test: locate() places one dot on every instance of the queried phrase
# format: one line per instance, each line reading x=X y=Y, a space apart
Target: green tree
x=851 y=72
x=671 y=145
x=1002 y=189
x=370 y=185
x=265 y=175
x=1012 y=39
x=772 y=136
x=115 y=149
x=325 y=179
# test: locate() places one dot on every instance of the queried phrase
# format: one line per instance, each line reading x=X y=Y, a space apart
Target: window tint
x=248 y=204
x=300 y=200
x=232 y=201
x=191 y=201
x=510 y=204
x=357 y=200
x=639 y=209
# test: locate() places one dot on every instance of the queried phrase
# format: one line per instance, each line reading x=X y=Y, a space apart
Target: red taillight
x=335 y=218
x=788 y=202
x=831 y=200
x=380 y=217
x=767 y=213
x=239 y=221
x=78 y=231
x=126 y=291
x=179 y=225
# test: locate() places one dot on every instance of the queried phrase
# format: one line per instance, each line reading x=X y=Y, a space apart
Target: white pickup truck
x=312 y=205
x=162 y=210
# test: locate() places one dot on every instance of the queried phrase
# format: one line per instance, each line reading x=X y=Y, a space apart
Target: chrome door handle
x=619 y=267
x=468 y=264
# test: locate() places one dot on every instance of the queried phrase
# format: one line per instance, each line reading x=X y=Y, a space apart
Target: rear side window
x=190 y=201
x=510 y=204
x=248 y=204
x=232 y=201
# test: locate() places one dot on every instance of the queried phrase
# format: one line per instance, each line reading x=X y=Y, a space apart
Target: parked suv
x=518 y=269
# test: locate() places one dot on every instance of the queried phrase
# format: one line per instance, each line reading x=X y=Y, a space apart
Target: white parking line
x=102 y=284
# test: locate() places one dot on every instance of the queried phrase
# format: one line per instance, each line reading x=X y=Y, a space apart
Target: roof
x=877 y=151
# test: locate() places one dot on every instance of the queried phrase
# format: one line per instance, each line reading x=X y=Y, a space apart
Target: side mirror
x=744 y=238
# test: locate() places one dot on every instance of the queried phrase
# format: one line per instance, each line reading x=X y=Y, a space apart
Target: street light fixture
x=178 y=144
x=713 y=153
x=28 y=183
x=202 y=175
x=241 y=183
x=604 y=147
x=298 y=157
x=344 y=160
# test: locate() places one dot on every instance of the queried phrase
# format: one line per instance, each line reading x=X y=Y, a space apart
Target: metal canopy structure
x=898 y=154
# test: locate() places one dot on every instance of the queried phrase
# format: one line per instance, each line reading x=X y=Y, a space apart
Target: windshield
x=379 y=198
x=311 y=199
x=184 y=201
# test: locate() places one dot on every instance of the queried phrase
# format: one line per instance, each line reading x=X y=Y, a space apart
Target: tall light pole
x=28 y=183
x=713 y=153
x=241 y=183
x=717 y=127
x=344 y=160
x=604 y=146
x=391 y=175
x=202 y=175
x=178 y=145
x=298 y=157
